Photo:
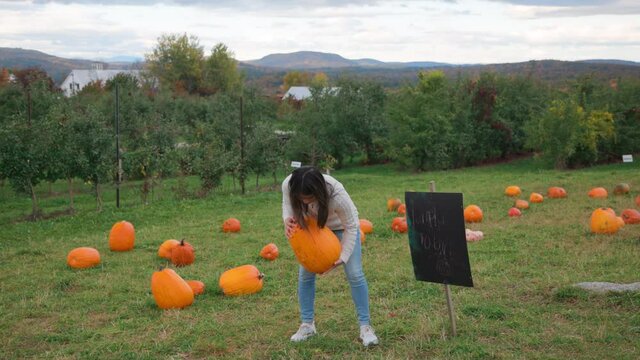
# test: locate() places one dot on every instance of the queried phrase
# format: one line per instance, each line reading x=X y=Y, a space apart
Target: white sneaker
x=368 y=336
x=305 y=331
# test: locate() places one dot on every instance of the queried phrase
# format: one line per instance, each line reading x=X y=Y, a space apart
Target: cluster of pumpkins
x=170 y=290
x=316 y=250
x=603 y=220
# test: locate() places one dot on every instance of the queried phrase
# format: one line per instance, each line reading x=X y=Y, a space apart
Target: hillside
x=58 y=68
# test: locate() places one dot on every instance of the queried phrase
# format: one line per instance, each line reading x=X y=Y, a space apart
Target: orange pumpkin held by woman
x=366 y=226
x=556 y=192
x=83 y=257
x=598 y=193
x=183 y=254
x=165 y=248
x=242 y=280
x=512 y=190
x=122 y=236
x=473 y=214
x=231 y=225
x=316 y=249
x=170 y=291
x=269 y=252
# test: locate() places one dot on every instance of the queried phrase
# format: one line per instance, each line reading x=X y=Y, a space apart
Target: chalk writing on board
x=437 y=238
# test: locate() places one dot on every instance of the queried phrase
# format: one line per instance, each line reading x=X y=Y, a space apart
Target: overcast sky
x=454 y=31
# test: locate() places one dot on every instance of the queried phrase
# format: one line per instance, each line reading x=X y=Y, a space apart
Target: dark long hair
x=308 y=181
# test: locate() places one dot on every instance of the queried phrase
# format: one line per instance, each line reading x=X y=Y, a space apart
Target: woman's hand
x=290 y=224
x=335 y=265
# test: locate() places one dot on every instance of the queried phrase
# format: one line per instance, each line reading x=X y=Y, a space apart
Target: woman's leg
x=358 y=283
x=306 y=294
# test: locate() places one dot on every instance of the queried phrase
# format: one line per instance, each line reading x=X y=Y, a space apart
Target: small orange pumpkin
x=638 y=200
x=472 y=214
x=197 y=286
x=170 y=291
x=512 y=190
x=269 y=252
x=183 y=254
x=399 y=225
x=122 y=236
x=165 y=248
x=631 y=216
x=362 y=237
x=366 y=226
x=522 y=204
x=316 y=249
x=402 y=209
x=598 y=193
x=514 y=212
x=536 y=198
x=231 y=225
x=83 y=257
x=242 y=280
x=393 y=204
x=604 y=222
x=621 y=189
x=556 y=192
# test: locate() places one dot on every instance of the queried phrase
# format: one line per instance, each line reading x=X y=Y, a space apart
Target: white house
x=299 y=93
x=78 y=79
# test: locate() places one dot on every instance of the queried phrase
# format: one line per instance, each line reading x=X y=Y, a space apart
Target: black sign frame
x=437 y=238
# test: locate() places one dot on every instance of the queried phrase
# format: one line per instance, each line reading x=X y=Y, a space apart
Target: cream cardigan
x=343 y=214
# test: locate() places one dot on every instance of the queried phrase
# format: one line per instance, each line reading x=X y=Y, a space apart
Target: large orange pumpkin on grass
x=231 y=225
x=316 y=249
x=392 y=204
x=83 y=257
x=473 y=214
x=604 y=221
x=556 y=192
x=366 y=226
x=242 y=280
x=512 y=190
x=170 y=291
x=197 y=286
x=122 y=236
x=598 y=193
x=630 y=216
x=165 y=248
x=183 y=254
x=536 y=198
x=269 y=252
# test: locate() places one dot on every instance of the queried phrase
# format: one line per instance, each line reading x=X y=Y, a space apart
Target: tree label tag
x=296 y=164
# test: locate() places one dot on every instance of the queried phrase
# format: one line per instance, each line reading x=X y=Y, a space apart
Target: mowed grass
x=523 y=305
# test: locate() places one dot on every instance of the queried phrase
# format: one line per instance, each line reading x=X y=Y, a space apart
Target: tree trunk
x=96 y=188
x=146 y=187
x=70 y=183
x=36 y=213
x=257 y=181
x=275 y=178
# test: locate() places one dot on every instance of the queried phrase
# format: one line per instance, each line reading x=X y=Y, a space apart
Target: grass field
x=523 y=305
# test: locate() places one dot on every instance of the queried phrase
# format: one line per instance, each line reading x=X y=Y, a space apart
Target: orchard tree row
x=192 y=115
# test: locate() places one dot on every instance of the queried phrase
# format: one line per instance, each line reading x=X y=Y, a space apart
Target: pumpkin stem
x=261 y=276
x=182 y=242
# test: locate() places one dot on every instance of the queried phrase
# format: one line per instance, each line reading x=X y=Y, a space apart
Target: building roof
x=302 y=92
x=80 y=78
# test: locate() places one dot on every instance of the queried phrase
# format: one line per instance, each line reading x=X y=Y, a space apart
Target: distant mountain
x=611 y=61
x=58 y=68
x=302 y=60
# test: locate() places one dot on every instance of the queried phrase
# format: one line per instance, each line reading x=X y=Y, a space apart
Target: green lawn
x=522 y=306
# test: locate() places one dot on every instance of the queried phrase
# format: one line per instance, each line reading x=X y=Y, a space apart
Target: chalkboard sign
x=437 y=238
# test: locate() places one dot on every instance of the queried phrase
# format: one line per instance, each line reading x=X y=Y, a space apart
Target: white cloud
x=464 y=31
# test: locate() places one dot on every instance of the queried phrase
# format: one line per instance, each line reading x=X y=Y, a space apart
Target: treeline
x=194 y=115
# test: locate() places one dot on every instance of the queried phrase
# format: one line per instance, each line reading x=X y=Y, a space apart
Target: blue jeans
x=355 y=276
